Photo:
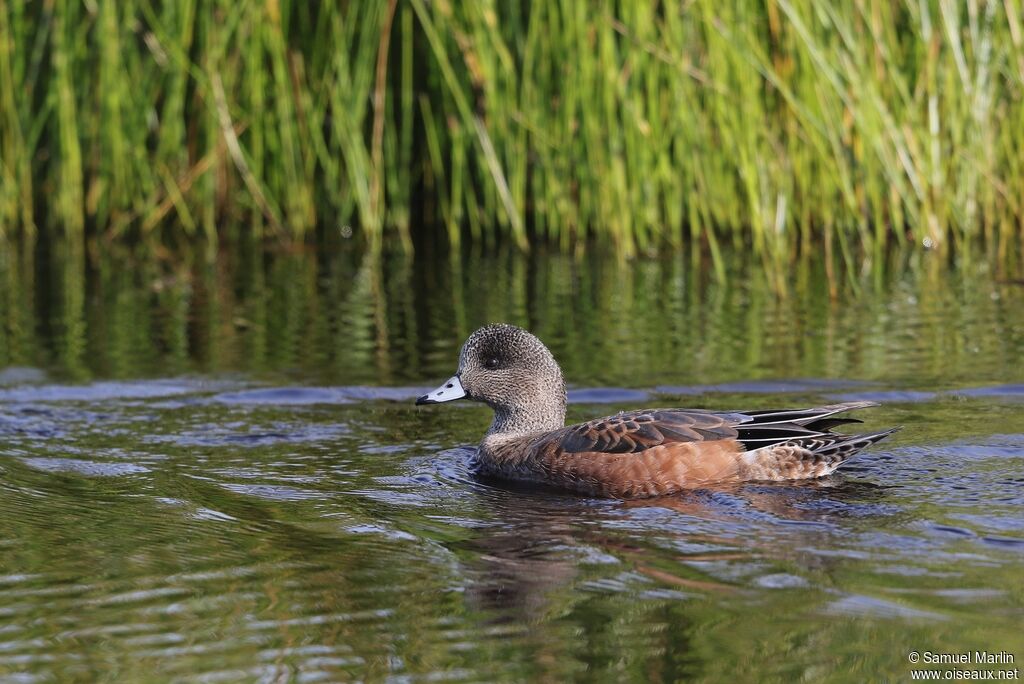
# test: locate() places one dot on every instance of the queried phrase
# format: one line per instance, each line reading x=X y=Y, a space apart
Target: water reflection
x=217 y=472
x=330 y=315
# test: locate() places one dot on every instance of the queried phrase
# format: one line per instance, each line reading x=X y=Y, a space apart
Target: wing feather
x=636 y=431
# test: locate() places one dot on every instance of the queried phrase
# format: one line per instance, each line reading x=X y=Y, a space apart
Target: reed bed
x=778 y=125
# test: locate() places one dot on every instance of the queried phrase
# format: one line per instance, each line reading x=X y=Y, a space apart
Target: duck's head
x=511 y=371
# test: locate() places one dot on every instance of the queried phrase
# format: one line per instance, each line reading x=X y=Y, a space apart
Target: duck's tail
x=791 y=446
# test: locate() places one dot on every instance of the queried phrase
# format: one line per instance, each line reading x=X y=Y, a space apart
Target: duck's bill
x=449 y=391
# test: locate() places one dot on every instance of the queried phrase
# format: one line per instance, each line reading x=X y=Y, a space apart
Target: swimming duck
x=648 y=452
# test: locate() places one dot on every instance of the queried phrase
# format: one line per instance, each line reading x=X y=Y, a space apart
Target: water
x=218 y=474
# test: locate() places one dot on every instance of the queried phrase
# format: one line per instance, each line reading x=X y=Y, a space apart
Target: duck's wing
x=657 y=451
x=636 y=431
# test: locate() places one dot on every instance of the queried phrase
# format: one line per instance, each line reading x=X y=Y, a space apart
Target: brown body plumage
x=638 y=453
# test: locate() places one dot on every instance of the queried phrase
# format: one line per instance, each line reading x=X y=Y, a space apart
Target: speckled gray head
x=511 y=371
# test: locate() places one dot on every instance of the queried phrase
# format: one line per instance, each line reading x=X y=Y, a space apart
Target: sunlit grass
x=773 y=124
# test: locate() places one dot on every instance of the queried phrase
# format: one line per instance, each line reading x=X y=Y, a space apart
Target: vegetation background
x=239 y=237
x=775 y=124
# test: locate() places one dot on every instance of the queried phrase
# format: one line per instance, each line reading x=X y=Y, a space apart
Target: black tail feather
x=808 y=426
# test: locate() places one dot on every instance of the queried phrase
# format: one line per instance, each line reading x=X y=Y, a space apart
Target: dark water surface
x=216 y=473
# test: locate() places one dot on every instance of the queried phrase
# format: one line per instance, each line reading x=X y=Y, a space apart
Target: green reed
x=774 y=124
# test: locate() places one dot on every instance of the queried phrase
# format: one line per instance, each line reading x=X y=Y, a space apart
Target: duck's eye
x=491 y=363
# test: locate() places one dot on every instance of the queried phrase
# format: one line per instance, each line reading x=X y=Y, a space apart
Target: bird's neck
x=534 y=417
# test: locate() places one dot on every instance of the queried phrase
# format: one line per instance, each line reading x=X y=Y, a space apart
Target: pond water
x=217 y=473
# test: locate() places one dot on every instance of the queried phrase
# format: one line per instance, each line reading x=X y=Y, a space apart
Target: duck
x=632 y=454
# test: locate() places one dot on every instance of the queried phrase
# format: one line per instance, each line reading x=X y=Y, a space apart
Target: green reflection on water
x=333 y=316
x=199 y=531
